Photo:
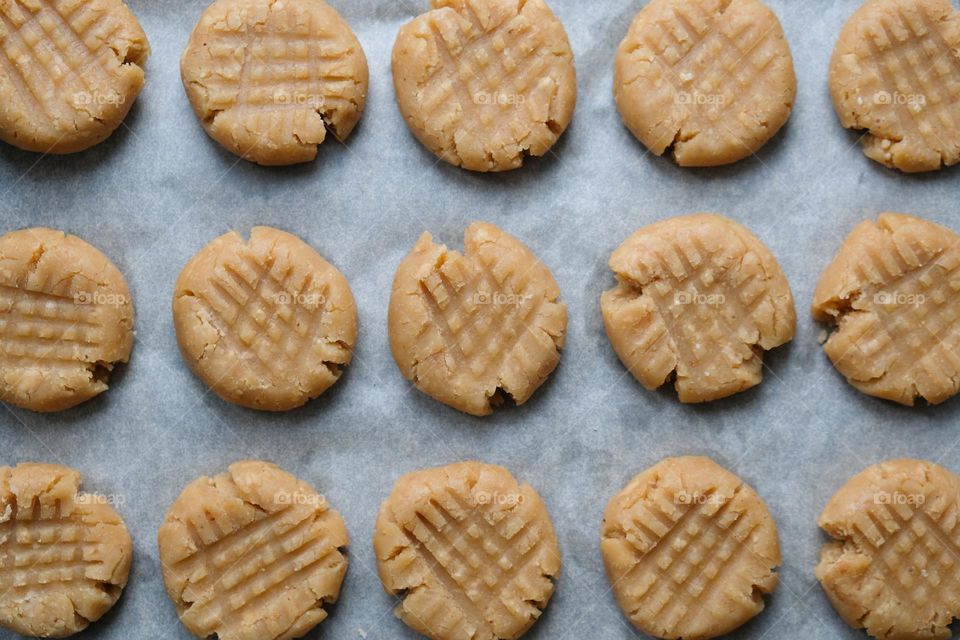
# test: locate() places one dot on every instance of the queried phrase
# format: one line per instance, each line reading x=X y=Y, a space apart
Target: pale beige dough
x=66 y=318
x=892 y=568
x=892 y=294
x=266 y=323
x=483 y=83
x=690 y=550
x=710 y=80
x=64 y=555
x=70 y=70
x=269 y=79
x=470 y=329
x=895 y=73
x=470 y=552
x=252 y=554
x=698 y=298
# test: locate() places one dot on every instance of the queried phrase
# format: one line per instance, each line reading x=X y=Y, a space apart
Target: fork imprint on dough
x=483 y=82
x=896 y=73
x=721 y=85
x=252 y=554
x=473 y=552
x=689 y=550
x=69 y=71
x=892 y=293
x=468 y=328
x=700 y=297
x=893 y=568
x=64 y=555
x=268 y=78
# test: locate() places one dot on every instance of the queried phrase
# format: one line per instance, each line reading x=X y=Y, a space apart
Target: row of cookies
x=468 y=552
x=482 y=83
x=268 y=324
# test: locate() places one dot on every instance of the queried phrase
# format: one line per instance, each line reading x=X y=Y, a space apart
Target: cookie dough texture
x=895 y=73
x=66 y=318
x=893 y=564
x=266 y=323
x=690 y=550
x=711 y=80
x=269 y=79
x=891 y=294
x=482 y=83
x=70 y=71
x=64 y=555
x=698 y=298
x=470 y=329
x=469 y=551
x=252 y=554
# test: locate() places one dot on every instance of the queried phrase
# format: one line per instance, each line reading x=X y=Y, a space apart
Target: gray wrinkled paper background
x=159 y=189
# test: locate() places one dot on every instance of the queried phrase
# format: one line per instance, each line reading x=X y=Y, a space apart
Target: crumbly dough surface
x=710 y=80
x=64 y=555
x=482 y=83
x=469 y=329
x=471 y=553
x=698 y=297
x=895 y=73
x=892 y=568
x=266 y=323
x=66 y=317
x=69 y=71
x=252 y=554
x=891 y=292
x=269 y=79
x=689 y=549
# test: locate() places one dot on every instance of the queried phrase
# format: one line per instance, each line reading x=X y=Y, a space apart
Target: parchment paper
x=159 y=189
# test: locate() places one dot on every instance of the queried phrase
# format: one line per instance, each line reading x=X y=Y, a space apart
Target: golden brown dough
x=482 y=83
x=66 y=318
x=64 y=555
x=690 y=550
x=470 y=552
x=252 y=554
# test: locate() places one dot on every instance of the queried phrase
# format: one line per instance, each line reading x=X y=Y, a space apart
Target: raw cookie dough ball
x=64 y=555
x=469 y=329
x=66 y=318
x=895 y=73
x=698 y=297
x=482 y=83
x=252 y=554
x=892 y=568
x=469 y=551
x=266 y=323
x=711 y=80
x=69 y=72
x=690 y=550
x=267 y=79
x=891 y=292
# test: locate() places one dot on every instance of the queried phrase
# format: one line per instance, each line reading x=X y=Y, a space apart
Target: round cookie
x=252 y=554
x=269 y=79
x=892 y=567
x=891 y=294
x=266 y=323
x=895 y=73
x=64 y=555
x=698 y=298
x=710 y=80
x=69 y=72
x=471 y=329
x=483 y=83
x=66 y=318
x=690 y=550
x=469 y=552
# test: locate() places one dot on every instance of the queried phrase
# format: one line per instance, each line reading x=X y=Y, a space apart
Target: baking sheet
x=159 y=189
